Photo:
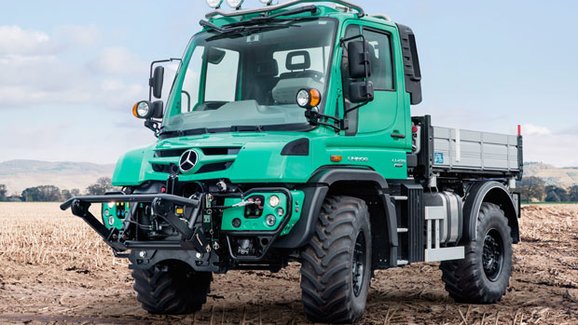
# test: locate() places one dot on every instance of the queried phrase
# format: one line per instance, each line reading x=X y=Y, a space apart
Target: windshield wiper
x=241 y=27
x=208 y=24
x=242 y=31
x=181 y=133
x=273 y=18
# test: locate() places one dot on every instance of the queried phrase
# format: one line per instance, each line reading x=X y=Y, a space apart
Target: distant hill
x=562 y=177
x=21 y=174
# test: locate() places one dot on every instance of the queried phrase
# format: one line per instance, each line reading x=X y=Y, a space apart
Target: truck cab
x=288 y=136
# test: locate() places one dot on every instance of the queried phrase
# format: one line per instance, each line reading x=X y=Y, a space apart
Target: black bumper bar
x=162 y=205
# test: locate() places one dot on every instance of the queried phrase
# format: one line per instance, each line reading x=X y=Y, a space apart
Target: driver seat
x=298 y=62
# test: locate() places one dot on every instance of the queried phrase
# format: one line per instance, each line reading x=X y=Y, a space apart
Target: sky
x=71 y=70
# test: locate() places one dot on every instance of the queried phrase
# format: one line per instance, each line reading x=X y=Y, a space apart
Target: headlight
x=308 y=98
x=216 y=4
x=235 y=4
x=303 y=98
x=274 y=201
x=143 y=110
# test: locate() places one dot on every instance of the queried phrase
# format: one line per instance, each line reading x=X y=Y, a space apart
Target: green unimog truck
x=287 y=136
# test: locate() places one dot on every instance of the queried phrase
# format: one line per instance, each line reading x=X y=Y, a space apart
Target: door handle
x=398 y=135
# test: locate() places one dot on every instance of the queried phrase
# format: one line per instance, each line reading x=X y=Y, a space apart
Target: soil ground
x=54 y=270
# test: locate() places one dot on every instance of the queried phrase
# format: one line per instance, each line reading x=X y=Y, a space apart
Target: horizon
x=71 y=76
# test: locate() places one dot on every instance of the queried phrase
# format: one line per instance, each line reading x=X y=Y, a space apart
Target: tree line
x=51 y=193
x=532 y=189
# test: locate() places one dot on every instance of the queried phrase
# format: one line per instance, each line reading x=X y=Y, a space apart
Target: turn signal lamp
x=308 y=98
x=215 y=4
x=235 y=4
x=336 y=158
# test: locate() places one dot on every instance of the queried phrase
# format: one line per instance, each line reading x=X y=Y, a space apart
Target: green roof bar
x=236 y=13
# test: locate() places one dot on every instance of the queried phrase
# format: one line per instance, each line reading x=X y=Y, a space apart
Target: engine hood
x=239 y=157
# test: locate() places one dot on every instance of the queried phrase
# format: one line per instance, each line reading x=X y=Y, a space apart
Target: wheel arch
x=371 y=187
x=490 y=192
x=361 y=183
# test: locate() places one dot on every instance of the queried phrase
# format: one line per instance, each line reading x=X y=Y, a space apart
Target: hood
x=239 y=157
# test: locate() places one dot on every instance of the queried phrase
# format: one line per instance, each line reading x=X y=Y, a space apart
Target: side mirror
x=361 y=91
x=156 y=82
x=359 y=64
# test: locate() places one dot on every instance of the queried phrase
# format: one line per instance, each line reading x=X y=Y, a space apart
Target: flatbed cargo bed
x=452 y=151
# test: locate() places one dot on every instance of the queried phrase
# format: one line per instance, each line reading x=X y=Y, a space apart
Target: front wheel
x=336 y=264
x=484 y=274
x=171 y=288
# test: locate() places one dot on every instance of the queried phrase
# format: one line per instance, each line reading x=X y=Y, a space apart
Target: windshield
x=250 y=78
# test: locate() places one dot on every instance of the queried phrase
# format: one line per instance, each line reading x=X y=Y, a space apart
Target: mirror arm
x=356 y=107
x=152 y=66
x=315 y=118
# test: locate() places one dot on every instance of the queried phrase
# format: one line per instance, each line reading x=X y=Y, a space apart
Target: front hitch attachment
x=81 y=209
x=162 y=205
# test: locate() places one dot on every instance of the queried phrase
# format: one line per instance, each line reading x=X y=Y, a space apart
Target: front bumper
x=196 y=229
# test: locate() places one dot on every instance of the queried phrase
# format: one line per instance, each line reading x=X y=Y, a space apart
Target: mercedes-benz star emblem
x=188 y=161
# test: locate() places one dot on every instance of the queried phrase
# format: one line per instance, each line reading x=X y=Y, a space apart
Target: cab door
x=385 y=114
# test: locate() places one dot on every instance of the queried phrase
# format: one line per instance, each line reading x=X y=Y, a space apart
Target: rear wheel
x=171 y=288
x=484 y=274
x=336 y=264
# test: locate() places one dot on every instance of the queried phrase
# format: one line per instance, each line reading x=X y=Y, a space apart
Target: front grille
x=204 y=168
x=209 y=151
x=169 y=153
x=216 y=167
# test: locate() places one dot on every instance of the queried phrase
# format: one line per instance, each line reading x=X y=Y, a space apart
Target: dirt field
x=54 y=270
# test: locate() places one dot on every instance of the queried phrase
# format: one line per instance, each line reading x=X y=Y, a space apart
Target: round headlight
x=274 y=201
x=303 y=98
x=216 y=4
x=235 y=4
x=111 y=205
x=271 y=220
x=142 y=110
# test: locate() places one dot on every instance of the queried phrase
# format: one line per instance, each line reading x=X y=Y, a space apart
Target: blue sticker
x=438 y=158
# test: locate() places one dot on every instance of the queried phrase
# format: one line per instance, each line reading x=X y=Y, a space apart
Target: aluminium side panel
x=465 y=150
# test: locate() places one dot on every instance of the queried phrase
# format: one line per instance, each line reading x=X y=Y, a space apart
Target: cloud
x=77 y=35
x=541 y=144
x=58 y=69
x=17 y=41
x=535 y=130
x=117 y=61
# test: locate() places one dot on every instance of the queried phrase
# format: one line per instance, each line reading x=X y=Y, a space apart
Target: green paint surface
x=114 y=213
x=258 y=223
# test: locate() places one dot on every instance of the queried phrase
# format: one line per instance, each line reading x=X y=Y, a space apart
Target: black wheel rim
x=493 y=255
x=358 y=265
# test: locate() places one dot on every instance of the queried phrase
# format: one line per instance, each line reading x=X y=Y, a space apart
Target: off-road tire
x=171 y=288
x=482 y=277
x=328 y=269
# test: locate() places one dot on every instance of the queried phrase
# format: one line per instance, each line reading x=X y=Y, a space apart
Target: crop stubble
x=54 y=269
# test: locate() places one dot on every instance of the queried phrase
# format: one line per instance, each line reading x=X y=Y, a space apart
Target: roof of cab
x=341 y=10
